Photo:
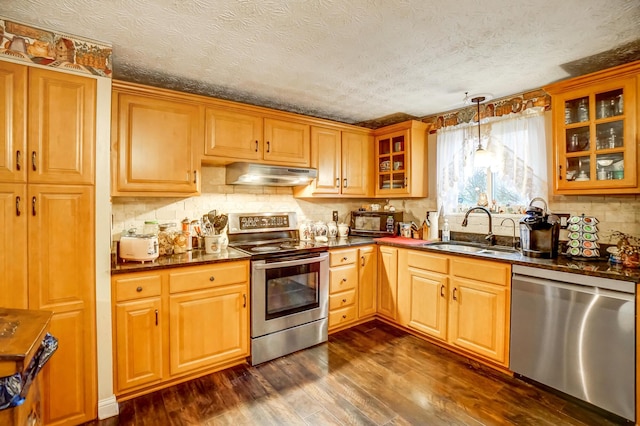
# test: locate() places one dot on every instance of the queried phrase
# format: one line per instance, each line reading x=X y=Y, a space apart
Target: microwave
x=375 y=223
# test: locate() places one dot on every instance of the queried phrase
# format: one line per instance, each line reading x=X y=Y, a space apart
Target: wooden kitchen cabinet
x=156 y=138
x=139 y=330
x=344 y=162
x=479 y=307
x=460 y=301
x=61 y=276
x=13 y=246
x=287 y=142
x=48 y=131
x=400 y=160
x=13 y=132
x=242 y=135
x=343 y=287
x=233 y=135
x=595 y=133
x=387 y=281
x=189 y=321
x=367 y=281
x=423 y=292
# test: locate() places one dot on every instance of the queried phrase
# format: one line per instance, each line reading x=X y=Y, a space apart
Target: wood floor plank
x=371 y=374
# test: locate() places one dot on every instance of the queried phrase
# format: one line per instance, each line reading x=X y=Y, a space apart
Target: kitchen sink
x=473 y=248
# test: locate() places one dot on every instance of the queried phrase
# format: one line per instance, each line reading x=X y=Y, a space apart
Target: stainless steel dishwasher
x=575 y=333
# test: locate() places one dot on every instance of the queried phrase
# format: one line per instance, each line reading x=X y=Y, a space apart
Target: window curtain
x=518 y=146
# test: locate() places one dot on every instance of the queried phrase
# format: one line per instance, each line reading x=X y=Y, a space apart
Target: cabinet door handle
x=454 y=293
x=559 y=172
x=156 y=317
x=244 y=300
x=33 y=160
x=441 y=291
x=139 y=289
x=344 y=182
x=212 y=278
x=18 y=212
x=406 y=181
x=337 y=182
x=268 y=146
x=195 y=176
x=362 y=259
x=256 y=146
x=18 y=167
x=33 y=206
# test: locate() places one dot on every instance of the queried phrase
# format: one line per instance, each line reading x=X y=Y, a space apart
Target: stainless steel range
x=289 y=284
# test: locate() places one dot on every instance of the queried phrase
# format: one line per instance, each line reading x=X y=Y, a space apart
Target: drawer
x=343 y=278
x=343 y=257
x=137 y=287
x=342 y=316
x=199 y=277
x=341 y=300
x=481 y=270
x=428 y=261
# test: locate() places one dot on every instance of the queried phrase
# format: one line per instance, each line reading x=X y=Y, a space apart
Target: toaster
x=140 y=248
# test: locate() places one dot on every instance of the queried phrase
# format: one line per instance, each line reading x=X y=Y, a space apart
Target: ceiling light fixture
x=482 y=157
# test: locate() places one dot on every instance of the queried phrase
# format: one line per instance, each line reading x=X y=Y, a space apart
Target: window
x=519 y=168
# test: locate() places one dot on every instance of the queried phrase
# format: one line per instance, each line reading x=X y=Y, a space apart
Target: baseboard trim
x=108 y=407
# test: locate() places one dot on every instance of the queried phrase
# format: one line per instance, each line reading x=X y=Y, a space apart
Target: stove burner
x=265 y=249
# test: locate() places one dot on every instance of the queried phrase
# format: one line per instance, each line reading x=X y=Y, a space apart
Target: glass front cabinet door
x=595 y=135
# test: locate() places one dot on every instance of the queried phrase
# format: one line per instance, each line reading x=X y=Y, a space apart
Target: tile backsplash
x=621 y=213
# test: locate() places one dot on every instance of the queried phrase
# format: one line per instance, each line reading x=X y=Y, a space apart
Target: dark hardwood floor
x=372 y=374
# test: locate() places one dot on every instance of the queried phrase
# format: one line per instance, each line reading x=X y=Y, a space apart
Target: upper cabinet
x=235 y=135
x=155 y=138
x=58 y=109
x=401 y=160
x=595 y=142
x=343 y=159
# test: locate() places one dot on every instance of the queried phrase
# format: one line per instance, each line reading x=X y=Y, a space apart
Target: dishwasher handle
x=574 y=287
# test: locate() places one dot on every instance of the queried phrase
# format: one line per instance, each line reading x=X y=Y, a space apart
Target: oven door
x=288 y=291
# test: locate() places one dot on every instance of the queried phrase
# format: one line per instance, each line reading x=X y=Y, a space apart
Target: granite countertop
x=597 y=268
x=190 y=258
x=199 y=257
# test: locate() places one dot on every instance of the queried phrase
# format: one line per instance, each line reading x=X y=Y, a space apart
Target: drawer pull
x=344 y=300
x=344 y=317
x=344 y=259
x=139 y=289
x=212 y=278
x=344 y=280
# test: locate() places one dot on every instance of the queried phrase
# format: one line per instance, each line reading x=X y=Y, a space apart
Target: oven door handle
x=305 y=261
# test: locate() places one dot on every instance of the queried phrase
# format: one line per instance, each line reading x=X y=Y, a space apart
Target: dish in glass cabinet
x=605 y=163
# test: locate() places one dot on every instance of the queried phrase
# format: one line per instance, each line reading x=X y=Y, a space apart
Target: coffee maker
x=539 y=232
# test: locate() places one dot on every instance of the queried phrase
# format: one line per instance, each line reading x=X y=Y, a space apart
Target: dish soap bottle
x=446 y=233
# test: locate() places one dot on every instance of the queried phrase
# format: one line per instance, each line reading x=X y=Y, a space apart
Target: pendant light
x=482 y=157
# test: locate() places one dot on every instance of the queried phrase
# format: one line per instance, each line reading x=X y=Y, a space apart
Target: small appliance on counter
x=375 y=223
x=539 y=232
x=138 y=247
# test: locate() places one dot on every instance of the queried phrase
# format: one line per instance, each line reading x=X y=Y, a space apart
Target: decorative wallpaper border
x=495 y=108
x=43 y=47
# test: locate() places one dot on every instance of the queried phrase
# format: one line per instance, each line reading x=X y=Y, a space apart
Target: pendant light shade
x=482 y=157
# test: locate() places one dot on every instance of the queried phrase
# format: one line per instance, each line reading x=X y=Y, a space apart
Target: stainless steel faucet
x=513 y=239
x=490 y=237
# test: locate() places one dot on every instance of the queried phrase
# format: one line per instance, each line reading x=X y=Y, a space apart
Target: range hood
x=264 y=174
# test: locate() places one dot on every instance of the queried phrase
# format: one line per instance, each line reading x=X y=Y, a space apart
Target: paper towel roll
x=433 y=229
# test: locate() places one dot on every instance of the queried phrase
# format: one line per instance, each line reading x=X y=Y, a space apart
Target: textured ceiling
x=348 y=60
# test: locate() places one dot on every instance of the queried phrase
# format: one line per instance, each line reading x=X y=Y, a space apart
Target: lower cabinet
x=387 y=281
x=461 y=301
x=173 y=324
x=352 y=285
